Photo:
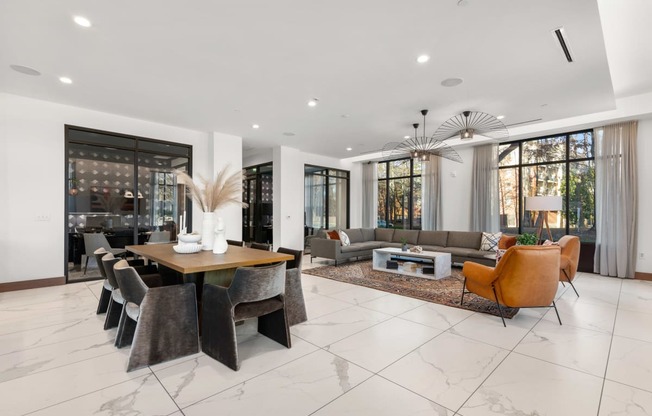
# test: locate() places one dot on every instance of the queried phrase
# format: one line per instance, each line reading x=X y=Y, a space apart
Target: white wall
x=225 y=152
x=33 y=172
x=456 y=191
x=644 y=219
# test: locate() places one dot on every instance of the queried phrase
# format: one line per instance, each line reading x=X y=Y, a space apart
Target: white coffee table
x=440 y=261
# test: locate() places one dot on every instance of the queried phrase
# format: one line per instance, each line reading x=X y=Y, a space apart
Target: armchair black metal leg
x=500 y=310
x=463 y=291
x=555 y=306
x=571 y=283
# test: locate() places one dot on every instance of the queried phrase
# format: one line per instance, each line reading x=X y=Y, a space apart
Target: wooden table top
x=205 y=260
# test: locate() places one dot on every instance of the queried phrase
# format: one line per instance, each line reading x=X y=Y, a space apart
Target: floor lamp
x=543 y=204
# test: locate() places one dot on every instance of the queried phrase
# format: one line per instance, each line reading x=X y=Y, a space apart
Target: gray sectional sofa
x=463 y=245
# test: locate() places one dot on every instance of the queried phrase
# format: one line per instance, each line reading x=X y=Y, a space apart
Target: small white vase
x=220 y=245
x=207 y=231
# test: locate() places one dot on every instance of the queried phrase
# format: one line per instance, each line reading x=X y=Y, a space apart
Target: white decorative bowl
x=189 y=238
x=187 y=248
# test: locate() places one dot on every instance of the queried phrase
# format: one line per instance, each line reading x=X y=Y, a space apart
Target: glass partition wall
x=123 y=187
x=326 y=195
x=257 y=192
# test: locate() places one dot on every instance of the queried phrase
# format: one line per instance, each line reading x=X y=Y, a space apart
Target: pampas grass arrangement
x=211 y=195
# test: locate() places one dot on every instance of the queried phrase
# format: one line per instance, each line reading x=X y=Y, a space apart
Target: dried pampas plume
x=211 y=195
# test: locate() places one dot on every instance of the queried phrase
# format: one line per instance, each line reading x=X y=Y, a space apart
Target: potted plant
x=405 y=245
x=526 y=239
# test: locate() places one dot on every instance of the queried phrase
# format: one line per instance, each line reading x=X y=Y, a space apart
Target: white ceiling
x=224 y=65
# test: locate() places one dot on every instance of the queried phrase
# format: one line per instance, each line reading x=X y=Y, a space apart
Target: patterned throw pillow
x=499 y=254
x=344 y=238
x=490 y=241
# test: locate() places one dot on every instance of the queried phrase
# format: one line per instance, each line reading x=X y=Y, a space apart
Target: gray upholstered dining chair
x=159 y=237
x=295 y=305
x=116 y=302
x=107 y=286
x=261 y=246
x=160 y=323
x=255 y=292
x=93 y=241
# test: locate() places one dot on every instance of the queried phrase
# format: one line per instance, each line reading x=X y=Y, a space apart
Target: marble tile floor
x=362 y=352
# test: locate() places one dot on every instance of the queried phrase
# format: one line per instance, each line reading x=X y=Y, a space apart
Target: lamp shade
x=543 y=203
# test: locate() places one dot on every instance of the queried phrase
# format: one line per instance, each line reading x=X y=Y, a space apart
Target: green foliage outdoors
x=526 y=239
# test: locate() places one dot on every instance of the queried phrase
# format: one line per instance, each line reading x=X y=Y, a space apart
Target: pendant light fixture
x=469 y=123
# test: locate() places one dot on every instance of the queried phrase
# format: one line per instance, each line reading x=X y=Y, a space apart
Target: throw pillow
x=499 y=254
x=489 y=241
x=333 y=235
x=550 y=243
x=344 y=238
x=506 y=241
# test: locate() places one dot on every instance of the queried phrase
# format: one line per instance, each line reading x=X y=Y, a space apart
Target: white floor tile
x=319 y=305
x=333 y=327
x=193 y=380
x=618 y=399
x=630 y=362
x=446 y=370
x=527 y=386
x=633 y=324
x=574 y=312
x=298 y=388
x=358 y=294
x=577 y=348
x=489 y=329
x=140 y=396
x=391 y=340
x=379 y=397
x=436 y=316
x=393 y=304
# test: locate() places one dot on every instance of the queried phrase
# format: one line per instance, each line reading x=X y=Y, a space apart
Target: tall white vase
x=220 y=245
x=207 y=231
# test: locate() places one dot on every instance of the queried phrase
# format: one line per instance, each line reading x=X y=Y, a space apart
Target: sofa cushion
x=384 y=234
x=364 y=246
x=433 y=238
x=410 y=236
x=466 y=252
x=368 y=234
x=464 y=239
x=440 y=249
x=355 y=235
x=385 y=244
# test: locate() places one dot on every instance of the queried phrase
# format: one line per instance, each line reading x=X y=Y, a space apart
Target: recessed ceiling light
x=452 y=82
x=348 y=149
x=313 y=102
x=82 y=21
x=255 y=126
x=422 y=59
x=500 y=117
x=345 y=115
x=406 y=137
x=65 y=80
x=288 y=133
x=25 y=70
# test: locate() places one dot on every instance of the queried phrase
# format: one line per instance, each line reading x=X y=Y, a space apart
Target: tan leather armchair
x=525 y=277
x=570 y=257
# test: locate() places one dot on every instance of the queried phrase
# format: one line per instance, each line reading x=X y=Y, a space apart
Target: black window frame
x=389 y=178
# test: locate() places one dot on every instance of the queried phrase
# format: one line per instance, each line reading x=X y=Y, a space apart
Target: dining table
x=206 y=266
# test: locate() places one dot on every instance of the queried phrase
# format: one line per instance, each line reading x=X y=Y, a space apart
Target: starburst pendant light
x=470 y=123
x=420 y=148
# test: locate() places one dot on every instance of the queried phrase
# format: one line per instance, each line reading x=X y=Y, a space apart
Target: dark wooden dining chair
x=235 y=243
x=256 y=292
x=261 y=246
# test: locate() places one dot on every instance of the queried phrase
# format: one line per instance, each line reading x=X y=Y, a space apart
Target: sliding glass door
x=326 y=199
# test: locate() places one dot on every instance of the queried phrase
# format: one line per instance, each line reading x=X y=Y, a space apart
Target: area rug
x=446 y=291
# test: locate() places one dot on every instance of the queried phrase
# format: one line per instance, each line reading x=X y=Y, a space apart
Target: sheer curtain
x=369 y=194
x=484 y=189
x=616 y=199
x=431 y=211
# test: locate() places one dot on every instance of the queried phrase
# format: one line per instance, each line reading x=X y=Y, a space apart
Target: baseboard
x=32 y=284
x=643 y=276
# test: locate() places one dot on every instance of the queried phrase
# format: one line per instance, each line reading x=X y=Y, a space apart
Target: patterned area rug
x=446 y=291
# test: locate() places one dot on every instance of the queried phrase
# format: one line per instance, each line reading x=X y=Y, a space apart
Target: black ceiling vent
x=559 y=35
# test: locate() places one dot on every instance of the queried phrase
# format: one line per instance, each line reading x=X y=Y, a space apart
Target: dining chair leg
x=113 y=314
x=275 y=326
x=126 y=330
x=86 y=264
x=105 y=298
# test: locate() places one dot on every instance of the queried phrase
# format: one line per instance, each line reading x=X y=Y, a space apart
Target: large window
x=326 y=193
x=399 y=194
x=560 y=165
